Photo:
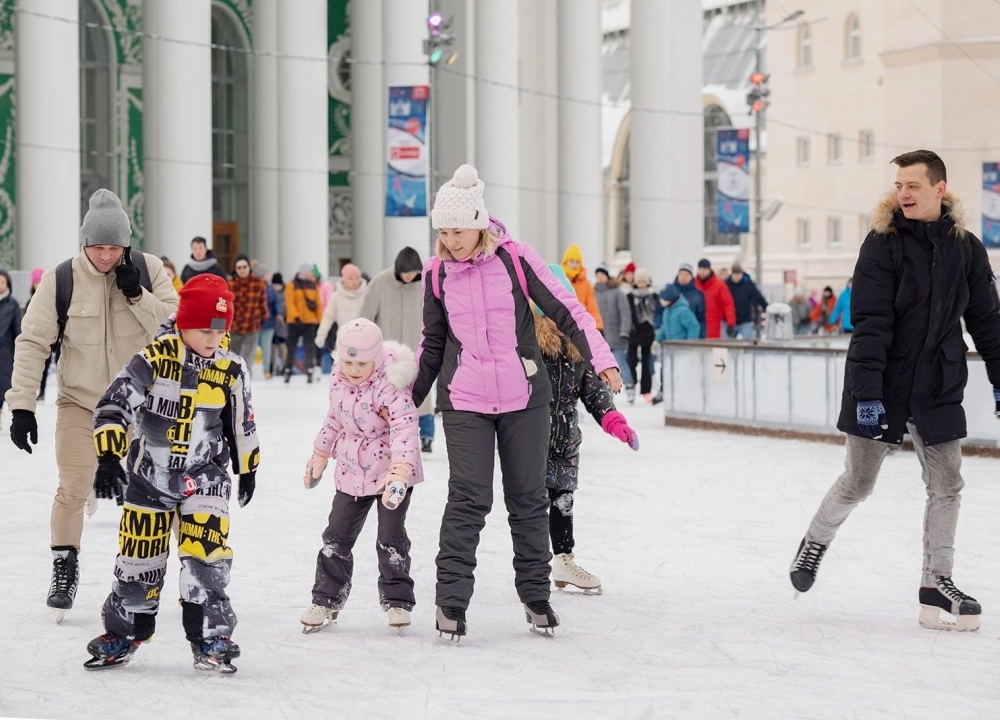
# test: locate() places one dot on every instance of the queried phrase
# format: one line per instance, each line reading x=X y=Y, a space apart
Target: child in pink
x=371 y=430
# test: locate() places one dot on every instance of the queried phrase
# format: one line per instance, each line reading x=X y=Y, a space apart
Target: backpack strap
x=435 y=280
x=139 y=260
x=64 y=295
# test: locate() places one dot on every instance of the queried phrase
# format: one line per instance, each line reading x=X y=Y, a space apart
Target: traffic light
x=439 y=43
x=757 y=97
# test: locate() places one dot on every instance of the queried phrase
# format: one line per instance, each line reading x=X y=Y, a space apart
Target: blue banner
x=991 y=204
x=406 y=152
x=733 y=180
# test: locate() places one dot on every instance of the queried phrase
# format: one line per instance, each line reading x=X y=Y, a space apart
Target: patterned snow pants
x=202 y=505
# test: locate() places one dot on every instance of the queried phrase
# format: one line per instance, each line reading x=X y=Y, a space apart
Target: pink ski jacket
x=478 y=336
x=364 y=444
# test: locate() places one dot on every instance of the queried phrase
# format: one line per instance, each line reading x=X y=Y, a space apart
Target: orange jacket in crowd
x=821 y=313
x=584 y=290
x=298 y=295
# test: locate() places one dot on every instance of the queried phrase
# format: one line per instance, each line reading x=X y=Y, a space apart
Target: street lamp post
x=757 y=99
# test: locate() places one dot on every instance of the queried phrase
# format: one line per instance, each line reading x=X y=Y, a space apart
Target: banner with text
x=991 y=204
x=406 y=153
x=733 y=180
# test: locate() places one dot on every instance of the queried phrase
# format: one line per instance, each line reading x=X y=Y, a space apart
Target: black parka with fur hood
x=913 y=284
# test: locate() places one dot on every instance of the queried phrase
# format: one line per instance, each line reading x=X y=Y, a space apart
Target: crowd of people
x=155 y=405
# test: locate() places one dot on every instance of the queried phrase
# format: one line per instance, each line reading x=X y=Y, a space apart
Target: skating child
x=572 y=380
x=189 y=398
x=371 y=429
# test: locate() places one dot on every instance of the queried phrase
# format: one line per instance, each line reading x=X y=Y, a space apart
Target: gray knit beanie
x=105 y=223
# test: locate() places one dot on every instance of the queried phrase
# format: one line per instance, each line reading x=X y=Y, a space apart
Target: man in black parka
x=919 y=274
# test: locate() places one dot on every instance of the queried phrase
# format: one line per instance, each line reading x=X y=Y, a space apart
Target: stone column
x=303 y=149
x=666 y=183
x=177 y=126
x=498 y=144
x=48 y=134
x=264 y=71
x=581 y=177
x=405 y=27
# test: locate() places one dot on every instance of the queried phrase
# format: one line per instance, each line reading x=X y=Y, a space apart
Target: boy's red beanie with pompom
x=205 y=304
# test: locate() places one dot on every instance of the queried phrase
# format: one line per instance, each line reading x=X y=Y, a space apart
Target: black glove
x=248 y=482
x=127 y=276
x=23 y=425
x=731 y=331
x=110 y=479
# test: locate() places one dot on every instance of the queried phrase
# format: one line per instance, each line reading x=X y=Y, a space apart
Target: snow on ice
x=692 y=538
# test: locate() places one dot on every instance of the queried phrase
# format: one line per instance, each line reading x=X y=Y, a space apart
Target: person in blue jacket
x=678 y=321
x=842 y=310
x=685 y=285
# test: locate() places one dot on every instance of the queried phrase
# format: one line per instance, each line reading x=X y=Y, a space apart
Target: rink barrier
x=787 y=390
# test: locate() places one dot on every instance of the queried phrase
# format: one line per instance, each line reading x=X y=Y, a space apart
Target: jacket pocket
x=126 y=323
x=83 y=323
x=954 y=371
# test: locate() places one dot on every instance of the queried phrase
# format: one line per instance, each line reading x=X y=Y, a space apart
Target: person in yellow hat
x=572 y=263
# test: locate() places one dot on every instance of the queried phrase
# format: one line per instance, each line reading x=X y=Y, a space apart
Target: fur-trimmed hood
x=889 y=205
x=552 y=345
x=400 y=364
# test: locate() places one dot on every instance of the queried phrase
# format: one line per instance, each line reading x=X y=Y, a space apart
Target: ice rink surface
x=692 y=537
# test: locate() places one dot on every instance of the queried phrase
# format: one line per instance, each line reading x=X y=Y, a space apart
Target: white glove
x=396 y=483
x=314 y=469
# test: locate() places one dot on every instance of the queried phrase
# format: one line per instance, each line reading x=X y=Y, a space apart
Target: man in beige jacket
x=111 y=317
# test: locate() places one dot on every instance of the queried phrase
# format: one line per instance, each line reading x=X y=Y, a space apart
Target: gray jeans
x=245 y=346
x=941 y=466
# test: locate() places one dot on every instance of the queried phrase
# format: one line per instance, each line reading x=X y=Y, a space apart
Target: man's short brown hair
x=936 y=171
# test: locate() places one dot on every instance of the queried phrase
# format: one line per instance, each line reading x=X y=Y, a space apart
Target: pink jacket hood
x=363 y=443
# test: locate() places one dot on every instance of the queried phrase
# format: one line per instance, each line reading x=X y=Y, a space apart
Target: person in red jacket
x=822 y=313
x=719 y=304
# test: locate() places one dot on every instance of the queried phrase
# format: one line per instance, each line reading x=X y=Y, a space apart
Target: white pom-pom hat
x=459 y=202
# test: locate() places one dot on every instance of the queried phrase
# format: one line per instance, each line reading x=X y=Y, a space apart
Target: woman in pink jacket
x=479 y=344
x=371 y=430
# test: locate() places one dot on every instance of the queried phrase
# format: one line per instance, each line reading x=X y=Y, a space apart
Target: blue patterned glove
x=996 y=399
x=872 y=419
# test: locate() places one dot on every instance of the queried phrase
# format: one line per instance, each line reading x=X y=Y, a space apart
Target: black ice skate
x=806 y=565
x=542 y=617
x=216 y=655
x=109 y=650
x=451 y=622
x=65 y=579
x=943 y=599
x=426 y=444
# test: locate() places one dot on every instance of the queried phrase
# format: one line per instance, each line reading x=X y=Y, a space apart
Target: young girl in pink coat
x=371 y=429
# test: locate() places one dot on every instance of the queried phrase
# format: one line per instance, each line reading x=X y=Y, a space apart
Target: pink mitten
x=615 y=424
x=396 y=483
x=314 y=469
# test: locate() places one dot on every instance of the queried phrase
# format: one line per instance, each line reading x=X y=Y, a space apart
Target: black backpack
x=64 y=289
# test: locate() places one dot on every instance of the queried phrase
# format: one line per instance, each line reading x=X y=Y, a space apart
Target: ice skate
x=945 y=607
x=630 y=393
x=215 y=655
x=451 y=622
x=426 y=444
x=806 y=565
x=65 y=580
x=566 y=573
x=399 y=618
x=542 y=617
x=91 y=507
x=318 y=617
x=109 y=650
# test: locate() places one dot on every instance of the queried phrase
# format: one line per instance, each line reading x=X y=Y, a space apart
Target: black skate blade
x=97 y=663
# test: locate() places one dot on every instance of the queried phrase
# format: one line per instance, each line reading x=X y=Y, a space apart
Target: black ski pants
x=561 y=521
x=522 y=441
x=308 y=335
x=335 y=562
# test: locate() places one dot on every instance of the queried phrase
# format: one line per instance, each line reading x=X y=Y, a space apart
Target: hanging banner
x=406 y=153
x=733 y=180
x=991 y=204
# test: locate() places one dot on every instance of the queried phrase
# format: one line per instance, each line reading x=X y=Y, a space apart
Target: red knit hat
x=206 y=304
x=629 y=268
